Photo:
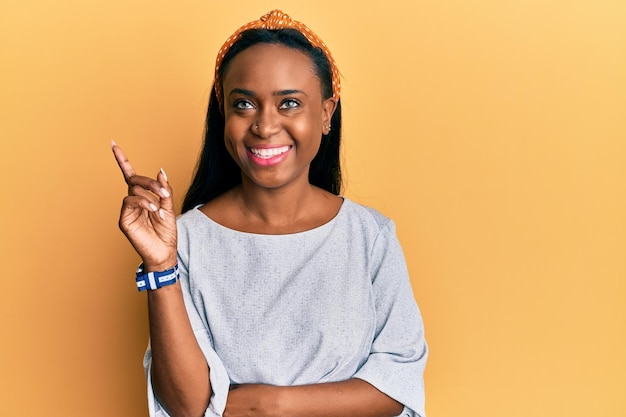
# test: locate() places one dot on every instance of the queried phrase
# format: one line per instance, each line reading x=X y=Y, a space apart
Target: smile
x=267 y=153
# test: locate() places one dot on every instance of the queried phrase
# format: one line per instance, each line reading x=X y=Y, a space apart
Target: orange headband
x=276 y=20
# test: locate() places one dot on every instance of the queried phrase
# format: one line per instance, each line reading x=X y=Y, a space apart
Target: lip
x=268 y=161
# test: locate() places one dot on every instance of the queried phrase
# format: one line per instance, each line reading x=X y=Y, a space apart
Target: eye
x=242 y=105
x=289 y=103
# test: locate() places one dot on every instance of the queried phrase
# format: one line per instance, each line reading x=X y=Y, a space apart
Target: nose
x=267 y=124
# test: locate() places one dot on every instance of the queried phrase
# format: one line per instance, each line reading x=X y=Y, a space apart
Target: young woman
x=271 y=295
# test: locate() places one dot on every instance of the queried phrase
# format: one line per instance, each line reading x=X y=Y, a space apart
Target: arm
x=349 y=398
x=180 y=372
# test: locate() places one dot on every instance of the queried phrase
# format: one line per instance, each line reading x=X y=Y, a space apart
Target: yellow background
x=493 y=132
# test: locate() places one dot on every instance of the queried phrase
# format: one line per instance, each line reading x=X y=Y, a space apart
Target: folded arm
x=353 y=397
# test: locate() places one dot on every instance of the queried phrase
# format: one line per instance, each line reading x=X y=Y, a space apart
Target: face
x=274 y=115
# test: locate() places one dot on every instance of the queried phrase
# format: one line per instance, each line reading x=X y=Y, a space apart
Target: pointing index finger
x=123 y=162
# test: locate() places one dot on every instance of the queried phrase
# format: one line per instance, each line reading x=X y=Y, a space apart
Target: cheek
x=230 y=148
x=232 y=131
x=309 y=128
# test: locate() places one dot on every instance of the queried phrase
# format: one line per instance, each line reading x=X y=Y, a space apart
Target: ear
x=328 y=108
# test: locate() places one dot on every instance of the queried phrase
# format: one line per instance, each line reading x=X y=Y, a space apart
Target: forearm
x=349 y=398
x=180 y=374
x=353 y=397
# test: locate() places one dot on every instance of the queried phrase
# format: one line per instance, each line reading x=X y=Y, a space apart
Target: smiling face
x=274 y=115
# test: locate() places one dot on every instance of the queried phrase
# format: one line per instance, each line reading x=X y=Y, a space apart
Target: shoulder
x=191 y=223
x=189 y=217
x=368 y=217
x=381 y=246
x=367 y=225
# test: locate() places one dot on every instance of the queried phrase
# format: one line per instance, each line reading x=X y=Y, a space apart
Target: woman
x=277 y=297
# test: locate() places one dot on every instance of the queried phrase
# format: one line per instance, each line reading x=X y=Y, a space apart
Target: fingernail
x=162 y=214
x=113 y=143
x=164 y=174
x=165 y=193
x=153 y=207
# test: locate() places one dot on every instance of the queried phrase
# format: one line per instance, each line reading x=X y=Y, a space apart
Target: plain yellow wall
x=493 y=133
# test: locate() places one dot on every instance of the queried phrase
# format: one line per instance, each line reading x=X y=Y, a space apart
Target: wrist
x=151 y=266
x=156 y=279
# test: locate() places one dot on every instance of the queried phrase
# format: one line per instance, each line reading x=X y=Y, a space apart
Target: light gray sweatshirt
x=328 y=304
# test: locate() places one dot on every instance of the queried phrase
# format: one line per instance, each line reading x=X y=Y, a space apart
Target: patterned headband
x=276 y=20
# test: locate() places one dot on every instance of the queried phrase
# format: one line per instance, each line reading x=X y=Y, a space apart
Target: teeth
x=269 y=152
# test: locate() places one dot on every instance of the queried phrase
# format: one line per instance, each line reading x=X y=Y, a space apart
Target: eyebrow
x=287 y=92
x=250 y=93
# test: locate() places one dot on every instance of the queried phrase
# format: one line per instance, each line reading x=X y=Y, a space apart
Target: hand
x=147 y=217
x=252 y=400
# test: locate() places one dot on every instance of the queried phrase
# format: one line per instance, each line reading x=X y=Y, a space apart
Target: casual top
x=327 y=304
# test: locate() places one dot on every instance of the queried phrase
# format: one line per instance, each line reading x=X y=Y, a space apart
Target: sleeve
x=398 y=353
x=220 y=381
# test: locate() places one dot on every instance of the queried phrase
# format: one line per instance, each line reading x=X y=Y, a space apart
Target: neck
x=278 y=208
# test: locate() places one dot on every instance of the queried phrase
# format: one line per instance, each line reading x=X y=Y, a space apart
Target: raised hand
x=147 y=217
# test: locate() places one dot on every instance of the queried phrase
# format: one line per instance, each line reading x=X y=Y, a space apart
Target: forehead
x=273 y=67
